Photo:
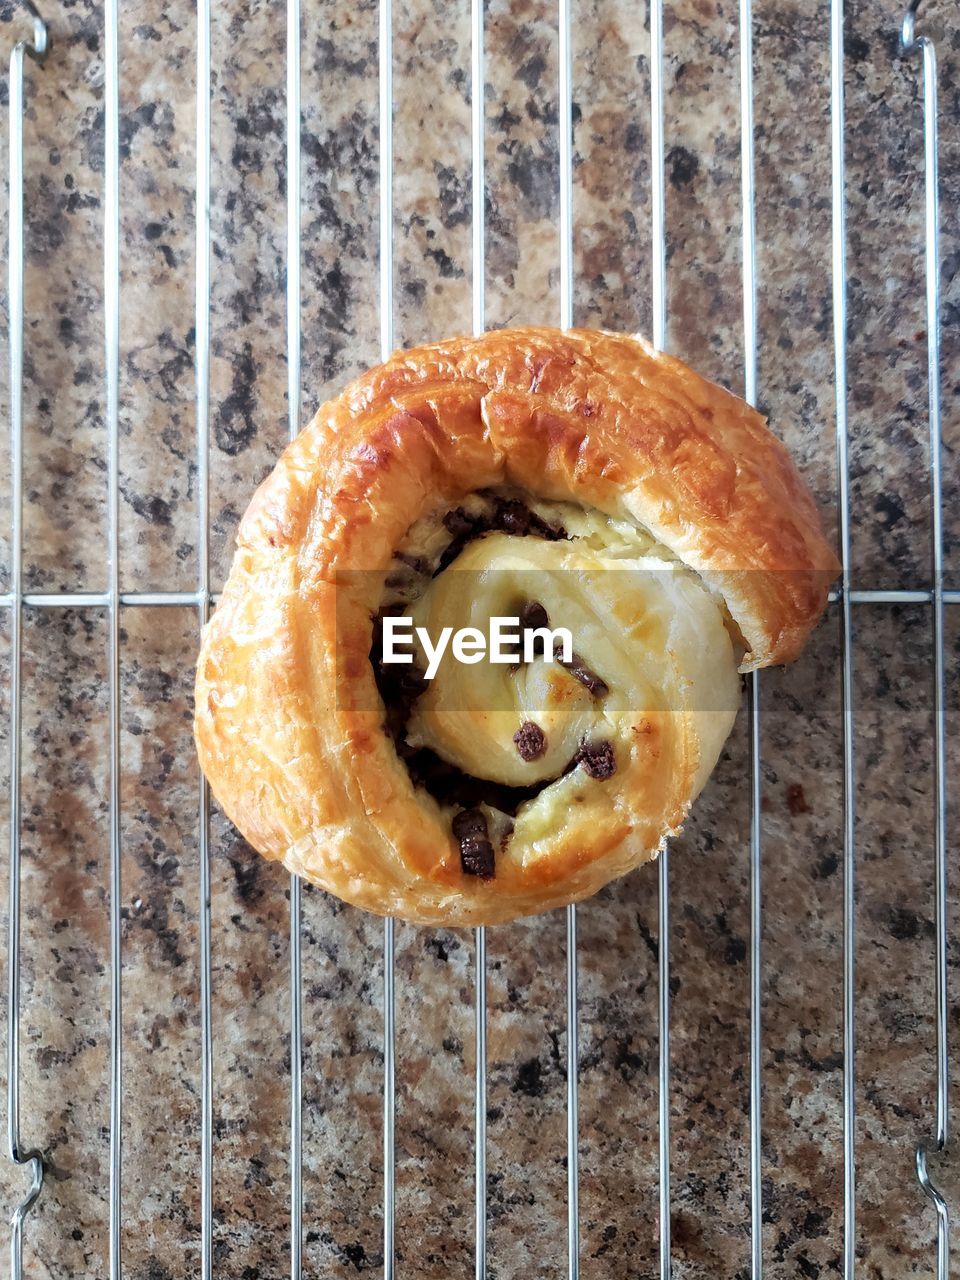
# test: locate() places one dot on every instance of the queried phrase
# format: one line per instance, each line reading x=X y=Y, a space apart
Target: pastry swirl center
x=649 y=641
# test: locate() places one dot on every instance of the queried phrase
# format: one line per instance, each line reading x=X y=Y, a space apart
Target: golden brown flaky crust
x=289 y=726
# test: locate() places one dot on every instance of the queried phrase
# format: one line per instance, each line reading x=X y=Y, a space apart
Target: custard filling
x=508 y=748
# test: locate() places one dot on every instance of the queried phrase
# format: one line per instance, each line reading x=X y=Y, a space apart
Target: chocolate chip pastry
x=577 y=482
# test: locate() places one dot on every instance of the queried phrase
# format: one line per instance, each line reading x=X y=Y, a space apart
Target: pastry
x=643 y=528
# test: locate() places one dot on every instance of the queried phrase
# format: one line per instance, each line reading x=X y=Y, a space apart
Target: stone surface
x=65 y=946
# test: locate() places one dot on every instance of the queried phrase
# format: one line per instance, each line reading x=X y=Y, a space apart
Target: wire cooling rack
x=114 y=602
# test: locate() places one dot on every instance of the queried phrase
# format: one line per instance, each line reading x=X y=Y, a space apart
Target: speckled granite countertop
x=65 y=940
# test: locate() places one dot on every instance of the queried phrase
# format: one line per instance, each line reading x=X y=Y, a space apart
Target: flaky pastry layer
x=289 y=726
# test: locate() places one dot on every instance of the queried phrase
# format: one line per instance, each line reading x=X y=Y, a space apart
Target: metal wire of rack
x=113 y=601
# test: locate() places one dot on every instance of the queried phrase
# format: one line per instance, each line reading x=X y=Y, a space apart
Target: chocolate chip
x=460 y=523
x=463 y=526
x=513 y=517
x=516 y=518
x=469 y=822
x=476 y=858
x=578 y=668
x=550 y=532
x=533 y=616
x=531 y=741
x=597 y=759
x=476 y=851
